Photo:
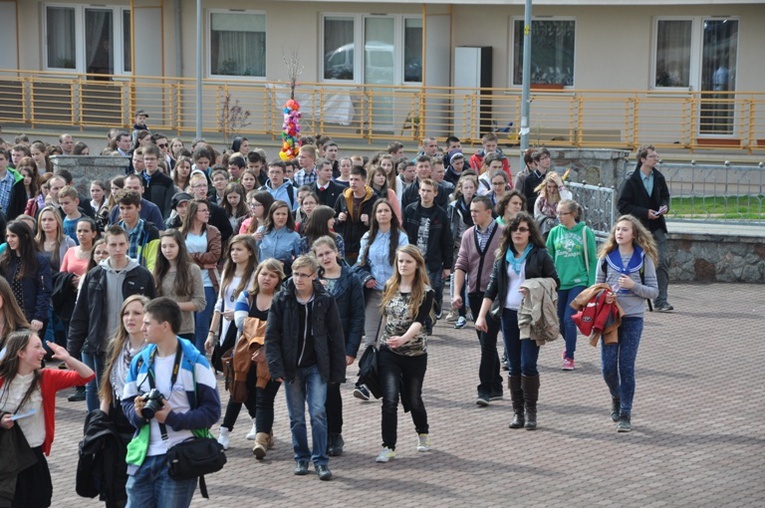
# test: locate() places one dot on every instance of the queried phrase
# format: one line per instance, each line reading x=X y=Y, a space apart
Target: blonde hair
x=640 y=236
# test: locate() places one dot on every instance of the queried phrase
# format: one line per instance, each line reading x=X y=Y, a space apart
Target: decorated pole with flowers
x=291 y=111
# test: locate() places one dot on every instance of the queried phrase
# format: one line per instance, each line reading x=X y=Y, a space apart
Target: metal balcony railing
x=379 y=113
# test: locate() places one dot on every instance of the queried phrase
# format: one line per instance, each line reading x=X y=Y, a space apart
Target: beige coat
x=538 y=313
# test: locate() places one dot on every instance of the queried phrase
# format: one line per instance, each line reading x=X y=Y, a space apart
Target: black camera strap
x=173 y=379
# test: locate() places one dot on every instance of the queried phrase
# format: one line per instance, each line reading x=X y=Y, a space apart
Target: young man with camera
x=169 y=392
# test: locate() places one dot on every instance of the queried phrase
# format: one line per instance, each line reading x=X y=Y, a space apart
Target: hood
x=284 y=184
x=578 y=227
x=132 y=263
x=288 y=287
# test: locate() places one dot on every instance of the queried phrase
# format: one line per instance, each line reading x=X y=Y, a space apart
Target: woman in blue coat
x=28 y=273
x=280 y=240
x=346 y=288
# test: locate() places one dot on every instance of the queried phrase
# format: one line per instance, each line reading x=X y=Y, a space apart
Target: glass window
x=673 y=53
x=338 y=47
x=60 y=38
x=413 y=50
x=238 y=44
x=552 y=52
x=718 y=75
x=99 y=56
x=126 y=54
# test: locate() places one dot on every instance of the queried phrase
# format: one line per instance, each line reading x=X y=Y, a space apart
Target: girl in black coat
x=521 y=256
x=345 y=286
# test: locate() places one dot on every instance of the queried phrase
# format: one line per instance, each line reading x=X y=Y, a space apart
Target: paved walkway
x=697 y=438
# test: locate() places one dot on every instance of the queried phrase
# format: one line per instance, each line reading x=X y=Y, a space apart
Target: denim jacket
x=373 y=261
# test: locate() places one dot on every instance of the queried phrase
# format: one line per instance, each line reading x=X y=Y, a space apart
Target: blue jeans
x=567 y=327
x=308 y=386
x=152 y=487
x=618 y=362
x=399 y=373
x=522 y=355
x=202 y=319
x=95 y=362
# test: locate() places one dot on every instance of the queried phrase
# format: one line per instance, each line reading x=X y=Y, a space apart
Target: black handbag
x=193 y=457
x=368 y=371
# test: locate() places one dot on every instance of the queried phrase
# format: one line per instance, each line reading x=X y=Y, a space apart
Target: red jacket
x=597 y=318
x=52 y=381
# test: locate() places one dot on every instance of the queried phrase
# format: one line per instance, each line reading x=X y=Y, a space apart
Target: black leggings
x=259 y=404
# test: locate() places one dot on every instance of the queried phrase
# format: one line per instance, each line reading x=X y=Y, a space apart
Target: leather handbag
x=496 y=309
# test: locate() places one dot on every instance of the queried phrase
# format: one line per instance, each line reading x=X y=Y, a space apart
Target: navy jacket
x=349 y=295
x=36 y=287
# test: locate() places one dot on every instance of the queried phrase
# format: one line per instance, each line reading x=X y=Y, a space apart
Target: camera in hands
x=154 y=400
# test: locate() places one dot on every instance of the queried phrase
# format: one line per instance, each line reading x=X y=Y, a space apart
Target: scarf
x=635 y=264
x=517 y=264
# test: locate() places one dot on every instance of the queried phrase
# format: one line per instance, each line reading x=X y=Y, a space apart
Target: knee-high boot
x=530 y=385
x=516 y=396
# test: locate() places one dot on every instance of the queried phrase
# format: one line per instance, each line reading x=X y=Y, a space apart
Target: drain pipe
x=178 y=40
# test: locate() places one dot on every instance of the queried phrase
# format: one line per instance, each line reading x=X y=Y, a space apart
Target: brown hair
x=420 y=284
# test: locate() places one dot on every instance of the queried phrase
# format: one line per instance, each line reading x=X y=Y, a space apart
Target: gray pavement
x=697 y=439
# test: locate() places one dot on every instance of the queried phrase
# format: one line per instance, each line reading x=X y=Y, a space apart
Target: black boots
x=530 y=386
x=615 y=405
x=516 y=395
x=335 y=444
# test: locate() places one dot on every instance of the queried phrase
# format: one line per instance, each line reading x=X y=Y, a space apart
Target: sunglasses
x=521 y=230
x=162 y=145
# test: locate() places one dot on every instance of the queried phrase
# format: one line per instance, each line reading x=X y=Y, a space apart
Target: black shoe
x=663 y=307
x=361 y=392
x=624 y=424
x=518 y=421
x=615 y=405
x=336 y=443
x=301 y=468
x=78 y=395
x=482 y=400
x=323 y=472
x=495 y=396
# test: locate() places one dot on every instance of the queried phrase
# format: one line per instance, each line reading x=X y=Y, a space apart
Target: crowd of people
x=154 y=280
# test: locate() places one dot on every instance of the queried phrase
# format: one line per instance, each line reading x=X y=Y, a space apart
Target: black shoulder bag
x=193 y=457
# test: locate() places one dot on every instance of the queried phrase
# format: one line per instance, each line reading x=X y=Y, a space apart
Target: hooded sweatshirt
x=114 y=299
x=567 y=250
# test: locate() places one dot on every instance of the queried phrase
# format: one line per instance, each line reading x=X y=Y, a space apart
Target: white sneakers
x=224 y=437
x=253 y=432
x=385 y=455
x=423 y=442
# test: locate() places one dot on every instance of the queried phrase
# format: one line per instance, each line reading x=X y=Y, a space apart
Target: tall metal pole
x=199 y=69
x=526 y=85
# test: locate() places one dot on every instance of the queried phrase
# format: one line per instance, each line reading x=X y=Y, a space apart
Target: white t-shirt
x=179 y=402
x=514 y=297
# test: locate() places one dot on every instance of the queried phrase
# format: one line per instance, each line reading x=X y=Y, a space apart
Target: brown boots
x=263 y=442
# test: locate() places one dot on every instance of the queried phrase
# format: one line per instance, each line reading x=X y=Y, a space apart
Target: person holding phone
x=645 y=195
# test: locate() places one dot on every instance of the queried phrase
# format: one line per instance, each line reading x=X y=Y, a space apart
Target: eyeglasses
x=298 y=275
x=199 y=186
x=521 y=230
x=162 y=145
x=254 y=205
x=561 y=214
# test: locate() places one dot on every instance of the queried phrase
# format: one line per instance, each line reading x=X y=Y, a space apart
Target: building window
x=373 y=49
x=61 y=41
x=83 y=38
x=413 y=50
x=237 y=44
x=552 y=52
x=126 y=47
x=673 y=53
x=338 y=48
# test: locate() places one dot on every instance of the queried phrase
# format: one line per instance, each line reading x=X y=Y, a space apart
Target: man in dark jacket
x=305 y=347
x=354 y=210
x=423 y=170
x=159 y=188
x=324 y=187
x=427 y=226
x=97 y=311
x=645 y=195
